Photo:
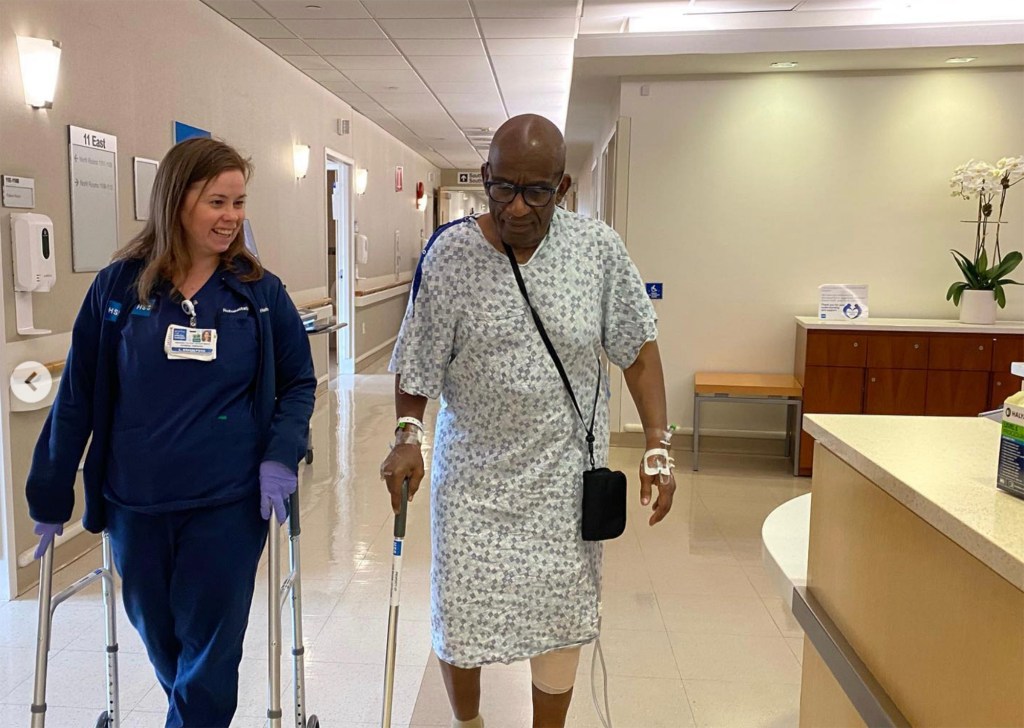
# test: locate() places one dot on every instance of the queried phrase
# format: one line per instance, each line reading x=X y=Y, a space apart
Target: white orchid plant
x=986 y=182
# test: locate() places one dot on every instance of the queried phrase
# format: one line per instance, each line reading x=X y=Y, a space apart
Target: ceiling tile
x=430 y=28
x=398 y=100
x=264 y=28
x=375 y=81
x=453 y=87
x=468 y=102
x=479 y=119
x=552 y=100
x=525 y=9
x=290 y=47
x=334 y=28
x=447 y=69
x=354 y=47
x=236 y=9
x=530 y=46
x=744 y=6
x=369 y=63
x=533 y=67
x=343 y=86
x=308 y=63
x=441 y=47
x=449 y=64
x=418 y=8
x=328 y=9
x=364 y=104
x=323 y=76
x=529 y=28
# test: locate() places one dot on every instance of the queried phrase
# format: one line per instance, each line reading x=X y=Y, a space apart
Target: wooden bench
x=745 y=388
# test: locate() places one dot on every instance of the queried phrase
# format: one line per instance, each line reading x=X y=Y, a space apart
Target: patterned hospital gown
x=511 y=577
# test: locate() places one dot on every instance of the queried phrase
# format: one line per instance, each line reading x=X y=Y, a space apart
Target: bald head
x=528 y=140
x=525 y=177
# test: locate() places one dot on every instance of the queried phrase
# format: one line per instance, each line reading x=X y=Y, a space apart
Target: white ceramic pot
x=978 y=307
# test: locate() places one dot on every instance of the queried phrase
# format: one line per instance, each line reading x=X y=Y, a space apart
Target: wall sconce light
x=40 y=61
x=300 y=154
x=362 y=177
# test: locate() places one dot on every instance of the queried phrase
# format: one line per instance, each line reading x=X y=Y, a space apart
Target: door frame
x=344 y=259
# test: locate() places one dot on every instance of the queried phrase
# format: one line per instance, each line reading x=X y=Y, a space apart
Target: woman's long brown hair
x=162 y=245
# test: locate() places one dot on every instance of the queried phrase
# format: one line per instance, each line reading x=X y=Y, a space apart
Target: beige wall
x=381 y=211
x=747 y=192
x=376 y=327
x=131 y=68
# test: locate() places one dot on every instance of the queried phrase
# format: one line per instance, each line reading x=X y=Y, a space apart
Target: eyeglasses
x=503 y=193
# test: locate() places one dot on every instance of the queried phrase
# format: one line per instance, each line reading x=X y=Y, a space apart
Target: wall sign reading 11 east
x=92 y=158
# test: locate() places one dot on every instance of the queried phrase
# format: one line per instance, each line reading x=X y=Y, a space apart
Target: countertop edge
x=926 y=326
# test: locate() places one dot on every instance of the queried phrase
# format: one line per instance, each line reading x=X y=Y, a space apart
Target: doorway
x=459 y=202
x=340 y=259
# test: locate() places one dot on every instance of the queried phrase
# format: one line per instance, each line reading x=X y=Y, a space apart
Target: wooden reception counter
x=914 y=604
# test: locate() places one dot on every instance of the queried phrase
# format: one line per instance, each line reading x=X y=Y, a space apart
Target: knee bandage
x=554 y=672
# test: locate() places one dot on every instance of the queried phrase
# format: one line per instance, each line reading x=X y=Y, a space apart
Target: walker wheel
x=309 y=456
x=104 y=721
x=313 y=722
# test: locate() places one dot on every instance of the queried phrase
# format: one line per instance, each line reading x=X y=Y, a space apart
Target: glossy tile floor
x=694 y=632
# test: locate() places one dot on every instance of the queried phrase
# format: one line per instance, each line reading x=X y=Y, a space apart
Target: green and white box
x=1011 y=447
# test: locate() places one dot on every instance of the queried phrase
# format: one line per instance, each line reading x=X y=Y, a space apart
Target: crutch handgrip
x=294 y=526
x=403 y=511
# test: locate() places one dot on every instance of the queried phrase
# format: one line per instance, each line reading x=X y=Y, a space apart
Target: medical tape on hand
x=663 y=463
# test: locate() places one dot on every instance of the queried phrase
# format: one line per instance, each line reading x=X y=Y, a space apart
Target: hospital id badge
x=183 y=342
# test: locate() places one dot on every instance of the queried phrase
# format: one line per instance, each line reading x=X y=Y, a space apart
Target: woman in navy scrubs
x=190 y=368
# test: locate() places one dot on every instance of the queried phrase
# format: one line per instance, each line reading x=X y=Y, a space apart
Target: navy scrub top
x=184 y=435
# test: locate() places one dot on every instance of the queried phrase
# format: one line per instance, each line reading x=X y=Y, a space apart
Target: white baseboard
x=377 y=349
x=713 y=432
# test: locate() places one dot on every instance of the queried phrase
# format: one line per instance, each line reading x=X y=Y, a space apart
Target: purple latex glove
x=277 y=482
x=46 y=532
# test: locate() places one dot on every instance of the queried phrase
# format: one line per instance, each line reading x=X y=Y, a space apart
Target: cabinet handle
x=856 y=344
x=981 y=348
x=999 y=384
x=873 y=380
x=917 y=346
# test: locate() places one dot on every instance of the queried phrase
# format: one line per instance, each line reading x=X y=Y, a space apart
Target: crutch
x=277 y=594
x=111 y=717
x=396 y=584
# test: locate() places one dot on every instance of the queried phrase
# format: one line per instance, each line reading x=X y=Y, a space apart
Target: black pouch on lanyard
x=604 y=490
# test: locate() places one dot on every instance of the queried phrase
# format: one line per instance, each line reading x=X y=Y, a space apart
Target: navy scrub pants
x=187 y=584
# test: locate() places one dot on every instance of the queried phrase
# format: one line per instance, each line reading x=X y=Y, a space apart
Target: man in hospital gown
x=511 y=577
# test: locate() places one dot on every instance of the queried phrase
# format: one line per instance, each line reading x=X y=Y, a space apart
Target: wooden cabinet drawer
x=960 y=353
x=1003 y=386
x=887 y=351
x=1005 y=351
x=834 y=390
x=830 y=349
x=895 y=392
x=957 y=394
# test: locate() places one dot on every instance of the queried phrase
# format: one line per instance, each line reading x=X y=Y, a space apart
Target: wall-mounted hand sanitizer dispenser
x=34 y=268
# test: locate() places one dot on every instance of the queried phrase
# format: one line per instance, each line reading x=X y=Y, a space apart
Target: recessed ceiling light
x=784 y=64
x=962 y=59
x=313 y=7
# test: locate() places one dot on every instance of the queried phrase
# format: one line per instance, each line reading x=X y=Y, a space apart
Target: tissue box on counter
x=1010 y=476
